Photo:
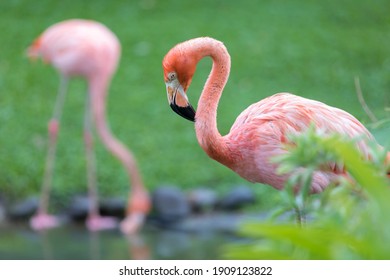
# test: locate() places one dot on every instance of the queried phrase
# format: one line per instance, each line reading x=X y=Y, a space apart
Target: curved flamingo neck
x=98 y=90
x=207 y=132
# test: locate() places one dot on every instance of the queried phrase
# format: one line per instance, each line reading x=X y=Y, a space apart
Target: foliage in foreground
x=350 y=221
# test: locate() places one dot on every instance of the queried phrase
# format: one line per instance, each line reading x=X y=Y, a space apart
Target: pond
x=19 y=242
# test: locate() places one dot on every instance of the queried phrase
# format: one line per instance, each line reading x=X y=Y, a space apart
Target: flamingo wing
x=268 y=124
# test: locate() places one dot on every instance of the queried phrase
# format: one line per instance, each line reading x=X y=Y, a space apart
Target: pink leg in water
x=95 y=221
x=42 y=220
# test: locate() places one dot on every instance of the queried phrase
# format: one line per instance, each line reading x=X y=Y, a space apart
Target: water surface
x=75 y=242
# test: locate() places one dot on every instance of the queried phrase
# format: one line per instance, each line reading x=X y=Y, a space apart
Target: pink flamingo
x=88 y=49
x=259 y=131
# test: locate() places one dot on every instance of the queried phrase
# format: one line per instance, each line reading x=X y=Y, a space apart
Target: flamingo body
x=78 y=48
x=90 y=50
x=259 y=132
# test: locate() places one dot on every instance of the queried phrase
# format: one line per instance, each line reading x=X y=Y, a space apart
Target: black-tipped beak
x=187 y=112
x=178 y=101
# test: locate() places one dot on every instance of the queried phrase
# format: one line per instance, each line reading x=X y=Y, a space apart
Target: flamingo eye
x=172 y=76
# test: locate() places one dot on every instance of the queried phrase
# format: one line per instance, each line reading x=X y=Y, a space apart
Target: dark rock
x=202 y=200
x=170 y=205
x=24 y=209
x=237 y=198
x=78 y=207
x=113 y=206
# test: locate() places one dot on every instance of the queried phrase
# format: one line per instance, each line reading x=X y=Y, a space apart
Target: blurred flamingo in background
x=260 y=132
x=88 y=49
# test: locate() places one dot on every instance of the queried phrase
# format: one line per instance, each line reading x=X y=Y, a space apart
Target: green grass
x=313 y=49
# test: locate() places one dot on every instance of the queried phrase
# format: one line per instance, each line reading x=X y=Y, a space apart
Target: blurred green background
x=310 y=48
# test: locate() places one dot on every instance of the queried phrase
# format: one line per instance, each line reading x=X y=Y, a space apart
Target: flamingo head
x=33 y=52
x=178 y=72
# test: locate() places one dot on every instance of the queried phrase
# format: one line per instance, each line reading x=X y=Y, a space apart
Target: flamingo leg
x=94 y=221
x=42 y=220
x=91 y=163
